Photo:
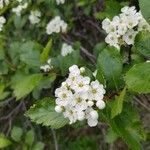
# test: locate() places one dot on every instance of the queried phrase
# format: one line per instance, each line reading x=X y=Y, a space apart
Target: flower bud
x=94 y=114
x=100 y=104
x=58 y=109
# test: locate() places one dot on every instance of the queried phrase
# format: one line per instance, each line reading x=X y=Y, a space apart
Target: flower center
x=94 y=91
x=78 y=100
x=81 y=84
x=64 y=95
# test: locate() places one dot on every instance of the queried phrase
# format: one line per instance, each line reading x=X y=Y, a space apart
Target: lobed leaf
x=144 y=7
x=110 y=64
x=26 y=85
x=142 y=43
x=43 y=112
x=138 y=78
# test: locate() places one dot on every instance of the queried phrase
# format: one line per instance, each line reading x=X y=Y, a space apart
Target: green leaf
x=110 y=64
x=100 y=77
x=110 y=136
x=4 y=142
x=26 y=85
x=30 y=53
x=3 y=94
x=65 y=62
x=138 y=78
x=16 y=133
x=118 y=104
x=45 y=83
x=45 y=54
x=112 y=8
x=3 y=67
x=144 y=7
x=38 y=146
x=142 y=43
x=29 y=139
x=127 y=125
x=14 y=52
x=98 y=48
x=43 y=112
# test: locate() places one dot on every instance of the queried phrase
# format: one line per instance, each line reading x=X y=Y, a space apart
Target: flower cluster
x=17 y=10
x=78 y=96
x=66 y=49
x=56 y=25
x=2 y=21
x=60 y=2
x=3 y=3
x=34 y=17
x=123 y=28
x=47 y=67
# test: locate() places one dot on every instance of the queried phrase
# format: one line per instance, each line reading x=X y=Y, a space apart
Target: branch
x=142 y=104
x=91 y=57
x=55 y=139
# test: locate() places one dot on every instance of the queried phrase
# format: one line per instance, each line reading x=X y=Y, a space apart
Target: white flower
x=128 y=10
x=82 y=84
x=143 y=25
x=56 y=25
x=74 y=100
x=74 y=70
x=47 y=67
x=60 y=2
x=124 y=27
x=80 y=115
x=79 y=103
x=66 y=49
x=92 y=117
x=3 y=2
x=132 y=22
x=71 y=80
x=64 y=97
x=59 y=90
x=2 y=21
x=71 y=114
x=129 y=37
x=17 y=10
x=34 y=17
x=112 y=39
x=96 y=91
x=105 y=24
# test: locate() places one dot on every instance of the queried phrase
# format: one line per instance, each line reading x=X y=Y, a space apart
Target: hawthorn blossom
x=34 y=17
x=78 y=95
x=3 y=3
x=17 y=10
x=66 y=49
x=123 y=28
x=47 y=67
x=56 y=25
